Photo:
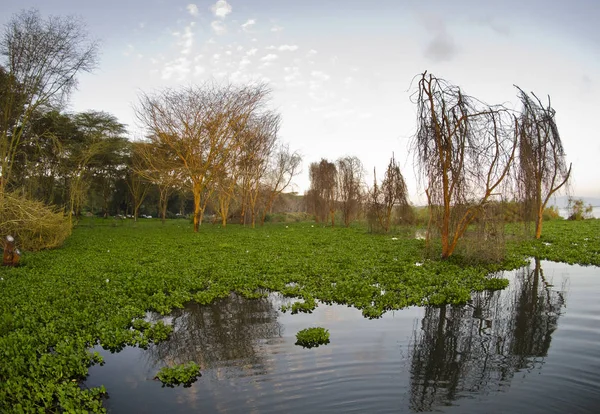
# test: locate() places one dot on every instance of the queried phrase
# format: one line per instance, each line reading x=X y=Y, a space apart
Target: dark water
x=532 y=348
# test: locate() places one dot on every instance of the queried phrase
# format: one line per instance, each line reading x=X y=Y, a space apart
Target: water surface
x=533 y=347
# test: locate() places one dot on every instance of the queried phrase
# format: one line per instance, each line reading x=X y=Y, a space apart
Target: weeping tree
x=350 y=187
x=542 y=167
x=464 y=150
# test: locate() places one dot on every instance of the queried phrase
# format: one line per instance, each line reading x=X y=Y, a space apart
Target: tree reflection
x=479 y=347
x=229 y=333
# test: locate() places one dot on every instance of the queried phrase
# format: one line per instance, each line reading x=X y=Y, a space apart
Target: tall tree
x=350 y=173
x=285 y=165
x=464 y=149
x=40 y=61
x=542 y=167
x=390 y=195
x=202 y=125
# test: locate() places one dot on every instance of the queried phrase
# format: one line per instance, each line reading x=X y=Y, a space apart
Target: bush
x=34 y=225
x=312 y=337
x=551 y=213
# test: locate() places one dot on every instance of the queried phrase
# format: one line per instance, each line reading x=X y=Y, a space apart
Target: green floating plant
x=312 y=337
x=185 y=374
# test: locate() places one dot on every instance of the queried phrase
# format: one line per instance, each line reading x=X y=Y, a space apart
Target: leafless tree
x=41 y=58
x=285 y=165
x=542 y=167
x=350 y=175
x=391 y=195
x=464 y=149
x=323 y=185
x=203 y=125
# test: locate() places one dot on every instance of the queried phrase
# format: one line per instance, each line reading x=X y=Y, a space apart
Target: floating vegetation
x=58 y=304
x=184 y=374
x=312 y=337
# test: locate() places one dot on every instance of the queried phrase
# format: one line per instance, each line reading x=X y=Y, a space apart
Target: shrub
x=33 y=224
x=185 y=374
x=312 y=337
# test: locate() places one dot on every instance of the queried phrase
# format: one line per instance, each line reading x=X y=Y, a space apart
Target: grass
x=98 y=286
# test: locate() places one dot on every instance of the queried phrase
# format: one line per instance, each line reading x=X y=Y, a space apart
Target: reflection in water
x=479 y=348
x=227 y=333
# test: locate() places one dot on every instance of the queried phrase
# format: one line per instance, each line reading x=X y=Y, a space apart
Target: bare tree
x=464 y=149
x=285 y=165
x=202 y=125
x=542 y=167
x=390 y=196
x=41 y=58
x=350 y=173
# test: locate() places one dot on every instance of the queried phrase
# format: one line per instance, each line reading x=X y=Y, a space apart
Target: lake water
x=531 y=348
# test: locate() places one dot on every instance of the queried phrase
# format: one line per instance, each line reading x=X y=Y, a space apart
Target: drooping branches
x=464 y=150
x=542 y=169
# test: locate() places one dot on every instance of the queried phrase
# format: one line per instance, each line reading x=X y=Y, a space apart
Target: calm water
x=532 y=348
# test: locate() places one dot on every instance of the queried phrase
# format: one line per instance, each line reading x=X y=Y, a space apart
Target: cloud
x=441 y=48
x=221 y=8
x=320 y=76
x=244 y=62
x=252 y=52
x=198 y=70
x=192 y=9
x=290 y=48
x=180 y=67
x=489 y=22
x=248 y=25
x=269 y=58
x=218 y=27
x=276 y=28
x=292 y=76
x=311 y=52
x=216 y=56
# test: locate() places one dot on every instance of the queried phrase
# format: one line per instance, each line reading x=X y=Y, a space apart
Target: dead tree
x=464 y=150
x=542 y=167
x=350 y=175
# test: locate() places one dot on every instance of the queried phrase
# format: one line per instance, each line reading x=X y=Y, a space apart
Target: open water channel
x=531 y=348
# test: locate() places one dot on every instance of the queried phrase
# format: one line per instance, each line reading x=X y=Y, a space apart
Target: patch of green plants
x=183 y=374
x=312 y=337
x=98 y=287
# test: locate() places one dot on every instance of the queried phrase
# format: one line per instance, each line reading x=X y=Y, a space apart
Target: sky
x=342 y=71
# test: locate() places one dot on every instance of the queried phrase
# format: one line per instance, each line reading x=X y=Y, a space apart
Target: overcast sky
x=341 y=70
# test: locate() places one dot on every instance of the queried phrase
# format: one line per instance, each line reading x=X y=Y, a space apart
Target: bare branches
x=464 y=150
x=204 y=126
x=542 y=167
x=41 y=59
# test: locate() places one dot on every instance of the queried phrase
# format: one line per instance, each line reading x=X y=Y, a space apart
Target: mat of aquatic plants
x=530 y=348
x=62 y=305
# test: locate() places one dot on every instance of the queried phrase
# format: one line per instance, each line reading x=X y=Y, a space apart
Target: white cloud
x=240 y=48
x=180 y=66
x=290 y=48
x=221 y=8
x=320 y=76
x=248 y=25
x=228 y=53
x=142 y=25
x=271 y=47
x=276 y=28
x=218 y=27
x=269 y=58
x=292 y=76
x=198 y=70
x=216 y=56
x=192 y=9
x=244 y=62
x=311 y=52
x=252 y=52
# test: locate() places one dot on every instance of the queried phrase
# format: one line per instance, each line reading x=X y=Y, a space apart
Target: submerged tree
x=464 y=149
x=542 y=167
